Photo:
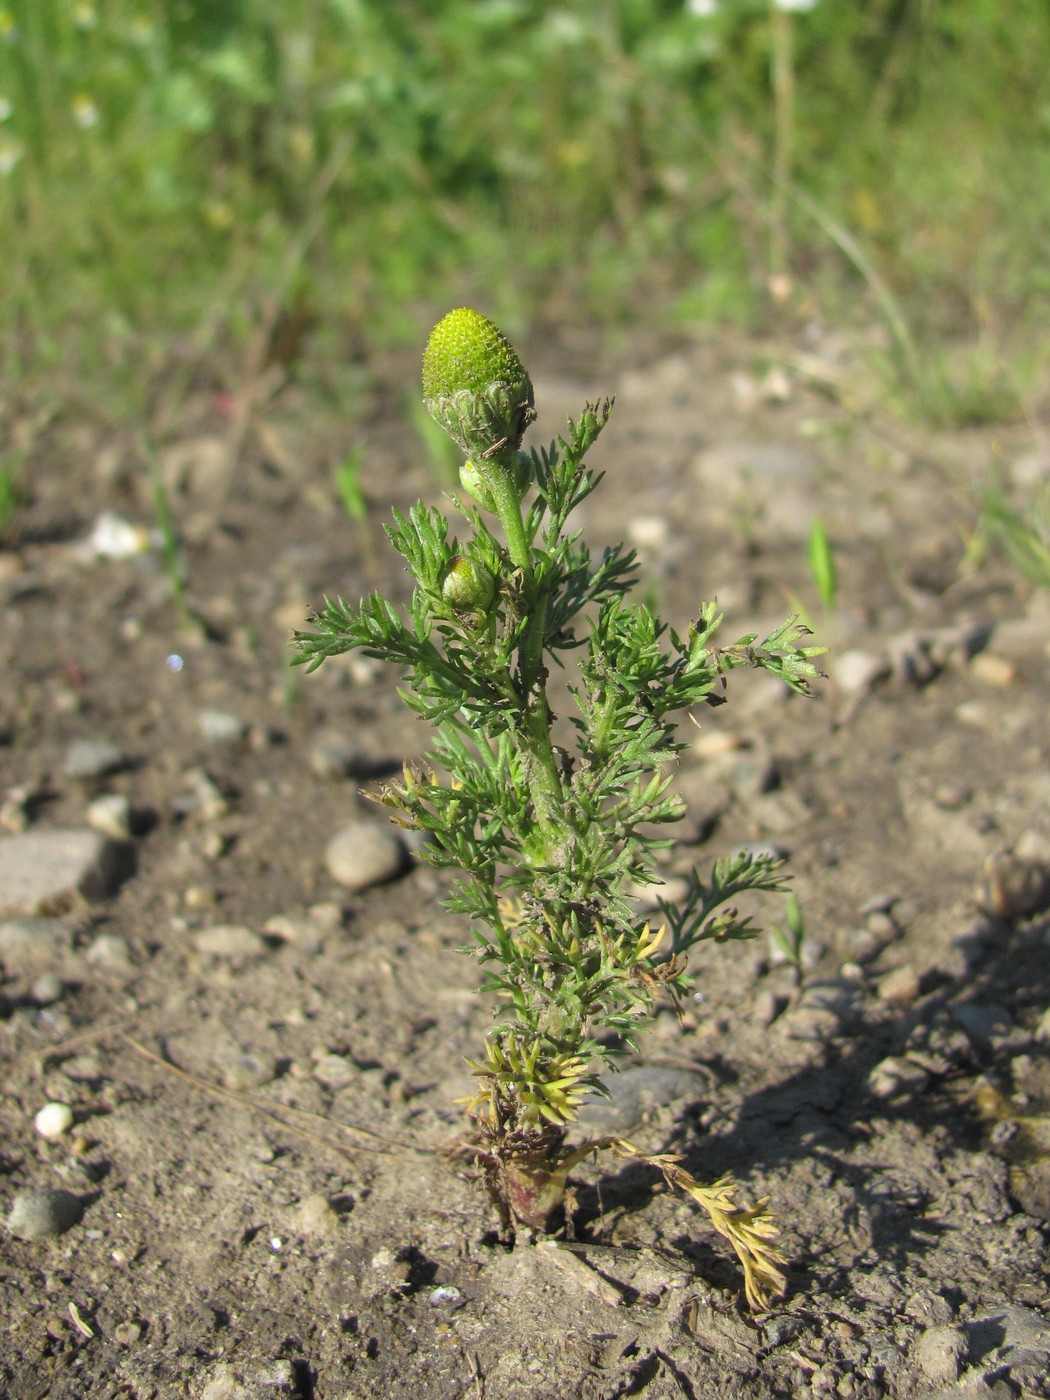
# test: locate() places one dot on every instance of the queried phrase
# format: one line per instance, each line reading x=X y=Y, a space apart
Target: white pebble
x=111 y=815
x=219 y=728
x=364 y=854
x=53 y=1120
x=113 y=537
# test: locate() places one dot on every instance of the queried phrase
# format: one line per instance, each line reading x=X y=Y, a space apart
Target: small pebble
x=1033 y=846
x=950 y=797
x=231 y=942
x=113 y=537
x=47 y=989
x=992 y=670
x=940 y=1354
x=82 y=1068
x=364 y=854
x=267 y=1380
x=249 y=1071
x=395 y=1271
x=882 y=925
x=92 y=758
x=314 y=1216
x=53 y=1120
x=929 y=1307
x=445 y=1297
x=46 y=871
x=861 y=945
x=14 y=809
x=1011 y=887
x=204 y=799
x=335 y=1071
x=110 y=950
x=127 y=1334
x=219 y=728
x=768 y=1007
x=896 y=1077
x=214 y=845
x=327 y=915
x=300 y=932
x=43 y=1213
x=111 y=815
x=900 y=987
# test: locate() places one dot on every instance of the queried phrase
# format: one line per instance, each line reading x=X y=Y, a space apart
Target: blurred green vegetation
x=203 y=167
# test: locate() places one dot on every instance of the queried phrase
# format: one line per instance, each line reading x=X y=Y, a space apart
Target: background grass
x=217 y=170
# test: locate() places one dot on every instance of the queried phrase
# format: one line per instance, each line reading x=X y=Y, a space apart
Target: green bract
x=475 y=386
x=467 y=587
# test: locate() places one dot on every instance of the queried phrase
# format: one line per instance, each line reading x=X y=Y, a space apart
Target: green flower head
x=475 y=386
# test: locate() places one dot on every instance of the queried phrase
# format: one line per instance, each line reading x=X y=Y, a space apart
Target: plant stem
x=784 y=118
x=498 y=476
x=545 y=786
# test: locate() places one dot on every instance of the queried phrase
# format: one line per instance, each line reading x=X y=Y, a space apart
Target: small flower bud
x=472 y=479
x=473 y=484
x=467 y=586
x=475 y=386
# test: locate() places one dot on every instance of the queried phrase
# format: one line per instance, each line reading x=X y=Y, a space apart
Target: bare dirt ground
x=261 y=1063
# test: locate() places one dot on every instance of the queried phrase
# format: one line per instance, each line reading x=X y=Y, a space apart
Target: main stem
x=545 y=786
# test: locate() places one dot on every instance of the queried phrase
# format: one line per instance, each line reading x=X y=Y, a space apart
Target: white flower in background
x=796 y=6
x=5 y=108
x=10 y=154
x=703 y=9
x=85 y=111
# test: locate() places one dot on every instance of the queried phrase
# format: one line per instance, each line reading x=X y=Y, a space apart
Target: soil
x=262 y=1064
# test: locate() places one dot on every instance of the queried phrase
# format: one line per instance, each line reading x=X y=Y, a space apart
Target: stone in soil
x=940 y=1353
x=46 y=872
x=87 y=759
x=230 y=942
x=53 y=1120
x=365 y=854
x=42 y=1213
x=219 y=728
x=110 y=814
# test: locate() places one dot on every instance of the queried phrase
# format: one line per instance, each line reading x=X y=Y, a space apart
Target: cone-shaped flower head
x=475 y=386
